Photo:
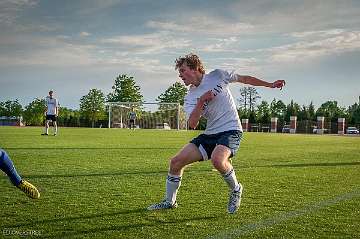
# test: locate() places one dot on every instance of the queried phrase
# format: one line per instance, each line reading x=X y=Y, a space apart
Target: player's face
x=187 y=75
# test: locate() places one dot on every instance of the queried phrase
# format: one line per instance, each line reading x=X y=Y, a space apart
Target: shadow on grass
x=313 y=165
x=153 y=222
x=70 y=219
x=137 y=226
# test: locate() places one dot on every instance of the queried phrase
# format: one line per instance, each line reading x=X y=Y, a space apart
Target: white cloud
x=45 y=51
x=254 y=34
x=65 y=55
x=96 y=6
x=147 y=43
x=16 y=4
x=238 y=64
x=135 y=40
x=278 y=16
x=136 y=63
x=336 y=42
x=9 y=9
x=221 y=45
x=60 y=52
x=63 y=37
x=84 y=34
x=203 y=25
x=323 y=33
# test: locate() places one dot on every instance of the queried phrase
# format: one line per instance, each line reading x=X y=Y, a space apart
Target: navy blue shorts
x=207 y=142
x=53 y=118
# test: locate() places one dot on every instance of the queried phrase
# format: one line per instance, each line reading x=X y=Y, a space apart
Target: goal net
x=146 y=115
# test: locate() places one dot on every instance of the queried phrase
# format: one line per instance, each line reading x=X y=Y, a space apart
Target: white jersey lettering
x=51 y=104
x=221 y=112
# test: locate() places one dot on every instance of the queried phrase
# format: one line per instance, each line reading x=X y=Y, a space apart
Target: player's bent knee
x=176 y=163
x=218 y=163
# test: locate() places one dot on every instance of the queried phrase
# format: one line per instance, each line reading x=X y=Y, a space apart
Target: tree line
x=93 y=112
x=92 y=106
x=262 y=112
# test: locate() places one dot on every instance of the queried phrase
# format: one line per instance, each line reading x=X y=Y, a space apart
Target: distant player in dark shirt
x=132 y=118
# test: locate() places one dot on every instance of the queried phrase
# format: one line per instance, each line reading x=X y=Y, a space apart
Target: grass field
x=96 y=183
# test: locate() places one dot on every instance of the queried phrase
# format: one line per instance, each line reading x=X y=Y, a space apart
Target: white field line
x=277 y=219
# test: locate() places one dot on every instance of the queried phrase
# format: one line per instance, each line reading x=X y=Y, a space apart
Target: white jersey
x=51 y=104
x=220 y=112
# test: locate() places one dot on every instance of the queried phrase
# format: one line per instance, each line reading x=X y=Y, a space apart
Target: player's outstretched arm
x=250 y=80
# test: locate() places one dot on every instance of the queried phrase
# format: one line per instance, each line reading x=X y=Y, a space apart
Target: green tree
x=69 y=117
x=92 y=106
x=244 y=99
x=303 y=114
x=252 y=117
x=34 y=112
x=243 y=114
x=263 y=112
x=173 y=94
x=354 y=114
x=331 y=110
x=278 y=109
x=248 y=98
x=292 y=109
x=253 y=97
x=11 y=108
x=125 y=90
x=2 y=109
x=311 y=110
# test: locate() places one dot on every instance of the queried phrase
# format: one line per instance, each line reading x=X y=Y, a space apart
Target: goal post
x=146 y=115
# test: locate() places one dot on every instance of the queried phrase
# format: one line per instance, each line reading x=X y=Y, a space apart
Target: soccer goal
x=146 y=115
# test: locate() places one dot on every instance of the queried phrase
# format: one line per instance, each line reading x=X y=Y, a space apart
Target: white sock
x=230 y=179
x=173 y=183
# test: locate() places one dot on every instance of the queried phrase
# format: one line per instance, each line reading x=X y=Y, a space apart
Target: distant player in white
x=52 y=112
x=209 y=96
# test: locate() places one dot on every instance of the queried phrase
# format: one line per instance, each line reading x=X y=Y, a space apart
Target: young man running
x=7 y=166
x=52 y=112
x=209 y=96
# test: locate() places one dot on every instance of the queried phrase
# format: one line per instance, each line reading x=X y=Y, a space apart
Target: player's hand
x=278 y=84
x=207 y=96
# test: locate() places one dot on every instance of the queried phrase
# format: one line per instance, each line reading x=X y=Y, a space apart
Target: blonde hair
x=192 y=61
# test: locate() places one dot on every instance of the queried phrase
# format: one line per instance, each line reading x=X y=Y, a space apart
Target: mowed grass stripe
x=283 y=217
x=97 y=182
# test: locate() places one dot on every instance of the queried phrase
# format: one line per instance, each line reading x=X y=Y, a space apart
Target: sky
x=72 y=46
